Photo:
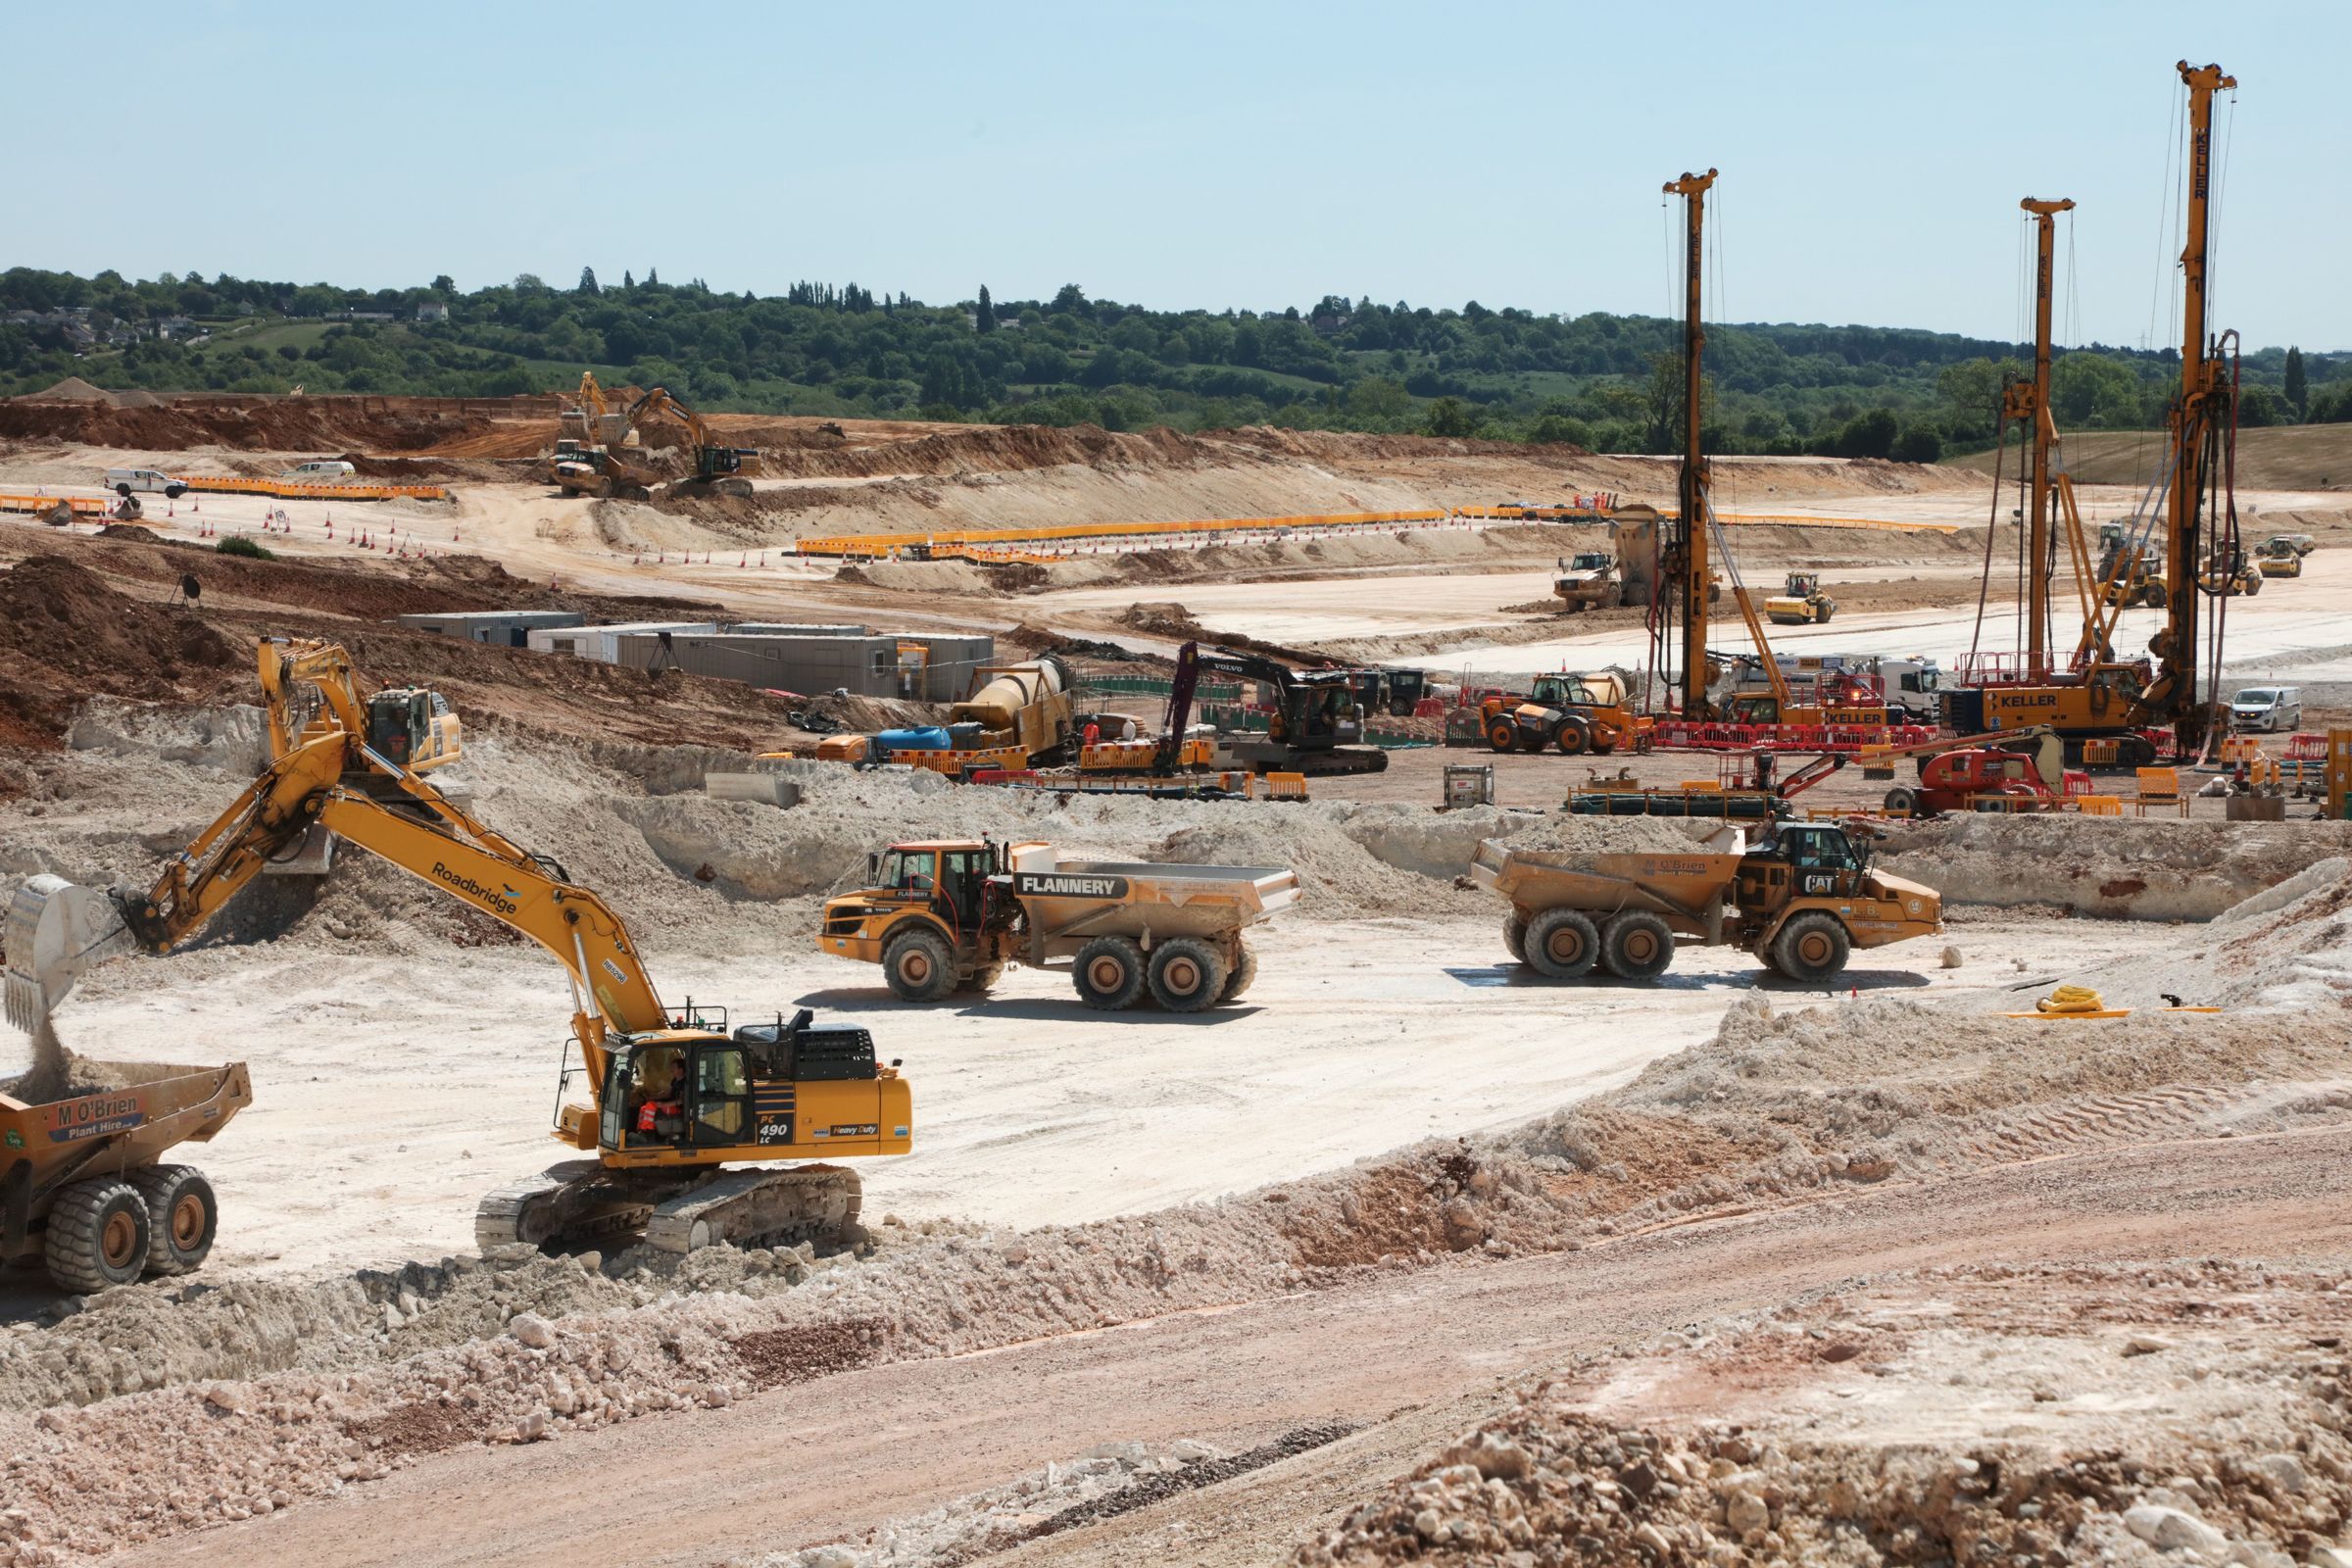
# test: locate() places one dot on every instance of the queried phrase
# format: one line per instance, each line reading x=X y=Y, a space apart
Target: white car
x=2267 y=708
x=323 y=470
x=123 y=482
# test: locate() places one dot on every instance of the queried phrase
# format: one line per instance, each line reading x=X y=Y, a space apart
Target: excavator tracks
x=753 y=1208
x=677 y=1212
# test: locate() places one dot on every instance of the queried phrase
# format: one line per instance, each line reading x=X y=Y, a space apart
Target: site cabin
x=1801 y=900
x=942 y=917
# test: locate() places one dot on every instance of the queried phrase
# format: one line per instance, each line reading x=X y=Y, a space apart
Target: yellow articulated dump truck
x=950 y=915
x=1801 y=900
x=84 y=1188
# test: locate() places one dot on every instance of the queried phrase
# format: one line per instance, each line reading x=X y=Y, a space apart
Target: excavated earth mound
x=65 y=635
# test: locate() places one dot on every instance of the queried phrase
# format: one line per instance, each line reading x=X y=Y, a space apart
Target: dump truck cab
x=1587 y=580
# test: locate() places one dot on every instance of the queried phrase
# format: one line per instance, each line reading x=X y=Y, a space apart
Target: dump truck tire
x=182 y=1217
x=983 y=978
x=1503 y=736
x=1573 y=737
x=1811 y=948
x=919 y=967
x=1514 y=936
x=1563 y=943
x=97 y=1234
x=1242 y=976
x=1109 y=973
x=1637 y=946
x=1186 y=975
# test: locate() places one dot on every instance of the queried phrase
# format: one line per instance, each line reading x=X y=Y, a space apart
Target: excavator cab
x=413 y=728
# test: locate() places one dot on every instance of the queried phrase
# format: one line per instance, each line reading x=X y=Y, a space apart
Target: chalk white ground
x=388 y=1096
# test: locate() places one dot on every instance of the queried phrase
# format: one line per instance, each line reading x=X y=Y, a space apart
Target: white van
x=2267 y=708
x=123 y=482
x=322 y=471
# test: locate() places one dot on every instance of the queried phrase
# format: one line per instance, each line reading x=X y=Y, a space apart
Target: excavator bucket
x=54 y=931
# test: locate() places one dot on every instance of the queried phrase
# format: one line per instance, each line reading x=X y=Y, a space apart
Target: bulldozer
x=1570 y=713
x=673 y=1098
x=1801 y=601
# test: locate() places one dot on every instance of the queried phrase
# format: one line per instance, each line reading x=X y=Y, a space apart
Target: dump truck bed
x=122 y=1115
x=1687 y=888
x=1090 y=897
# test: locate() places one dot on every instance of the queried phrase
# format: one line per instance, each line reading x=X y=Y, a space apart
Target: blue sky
x=1205 y=154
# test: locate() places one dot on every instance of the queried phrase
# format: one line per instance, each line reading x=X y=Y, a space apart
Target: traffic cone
x=167 y=511
x=742 y=563
x=195 y=504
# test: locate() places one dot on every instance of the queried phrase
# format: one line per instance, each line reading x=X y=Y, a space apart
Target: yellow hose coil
x=2071 y=999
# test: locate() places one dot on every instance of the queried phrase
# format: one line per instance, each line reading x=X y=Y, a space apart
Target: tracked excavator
x=673 y=1097
x=607 y=469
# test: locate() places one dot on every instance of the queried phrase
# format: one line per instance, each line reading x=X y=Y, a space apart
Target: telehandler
x=672 y=1097
x=1570 y=713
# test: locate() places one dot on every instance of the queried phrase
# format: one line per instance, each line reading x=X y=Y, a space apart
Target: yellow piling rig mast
x=1686 y=547
x=2200 y=421
x=2102 y=697
x=1686 y=554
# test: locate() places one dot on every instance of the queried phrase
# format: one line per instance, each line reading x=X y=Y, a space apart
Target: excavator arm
x=330 y=777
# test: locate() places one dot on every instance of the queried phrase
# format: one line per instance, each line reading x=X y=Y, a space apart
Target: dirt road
x=1414 y=1358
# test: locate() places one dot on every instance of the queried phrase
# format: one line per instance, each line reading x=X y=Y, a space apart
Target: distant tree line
x=1608 y=382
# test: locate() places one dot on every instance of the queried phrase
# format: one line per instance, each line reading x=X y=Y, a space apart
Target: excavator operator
x=668 y=1105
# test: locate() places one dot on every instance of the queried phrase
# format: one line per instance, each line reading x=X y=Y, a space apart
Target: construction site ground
x=1406 y=1256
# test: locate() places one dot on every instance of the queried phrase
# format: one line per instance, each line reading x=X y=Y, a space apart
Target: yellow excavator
x=674 y=1095
x=606 y=468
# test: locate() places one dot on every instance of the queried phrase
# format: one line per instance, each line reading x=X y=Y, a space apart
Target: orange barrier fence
x=1007 y=544
x=83 y=506
x=1774 y=519
x=882 y=544
x=283 y=490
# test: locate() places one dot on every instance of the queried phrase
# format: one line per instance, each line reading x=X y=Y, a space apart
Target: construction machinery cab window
x=399 y=723
x=721 y=1094
x=1816 y=848
x=909 y=871
x=967 y=873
